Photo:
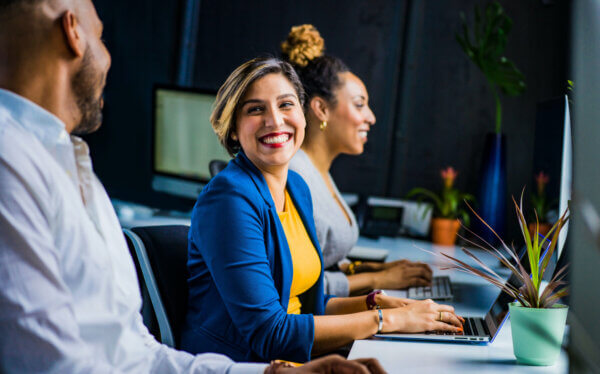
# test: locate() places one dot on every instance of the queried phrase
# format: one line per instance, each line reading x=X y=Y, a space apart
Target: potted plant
x=484 y=43
x=537 y=321
x=447 y=208
x=541 y=205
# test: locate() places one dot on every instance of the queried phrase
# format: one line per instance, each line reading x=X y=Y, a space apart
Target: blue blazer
x=240 y=271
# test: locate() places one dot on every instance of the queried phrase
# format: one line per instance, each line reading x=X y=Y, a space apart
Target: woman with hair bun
x=338 y=121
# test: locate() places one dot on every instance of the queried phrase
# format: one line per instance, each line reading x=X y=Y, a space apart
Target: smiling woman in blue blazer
x=255 y=266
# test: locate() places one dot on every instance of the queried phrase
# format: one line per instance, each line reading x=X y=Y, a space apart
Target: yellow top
x=305 y=260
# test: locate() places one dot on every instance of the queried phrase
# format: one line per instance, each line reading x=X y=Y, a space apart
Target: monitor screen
x=499 y=309
x=183 y=140
x=386 y=213
x=566 y=176
x=553 y=157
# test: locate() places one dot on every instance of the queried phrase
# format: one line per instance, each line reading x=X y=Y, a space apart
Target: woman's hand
x=403 y=276
x=421 y=316
x=387 y=265
x=369 y=266
x=385 y=302
x=331 y=364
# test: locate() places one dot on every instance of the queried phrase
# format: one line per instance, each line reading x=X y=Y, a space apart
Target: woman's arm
x=347 y=305
x=362 y=283
x=400 y=276
x=333 y=331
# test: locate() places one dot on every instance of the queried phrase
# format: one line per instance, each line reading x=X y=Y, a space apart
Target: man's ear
x=73 y=33
x=320 y=108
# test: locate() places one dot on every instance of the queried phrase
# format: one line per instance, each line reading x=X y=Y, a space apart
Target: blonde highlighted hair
x=303 y=44
x=233 y=90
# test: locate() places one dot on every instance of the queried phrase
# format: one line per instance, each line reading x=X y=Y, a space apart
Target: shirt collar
x=48 y=128
x=256 y=176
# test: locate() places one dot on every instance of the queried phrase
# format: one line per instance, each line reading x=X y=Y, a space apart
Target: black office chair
x=160 y=253
x=215 y=166
x=147 y=311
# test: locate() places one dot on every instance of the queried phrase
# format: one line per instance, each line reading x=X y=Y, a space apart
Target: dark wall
x=143 y=39
x=432 y=104
x=446 y=108
x=367 y=35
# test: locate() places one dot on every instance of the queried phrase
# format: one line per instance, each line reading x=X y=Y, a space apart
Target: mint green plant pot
x=537 y=334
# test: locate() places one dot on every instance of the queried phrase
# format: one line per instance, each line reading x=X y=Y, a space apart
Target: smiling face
x=351 y=118
x=270 y=123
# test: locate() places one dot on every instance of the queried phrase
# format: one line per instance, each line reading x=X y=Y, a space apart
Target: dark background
x=432 y=104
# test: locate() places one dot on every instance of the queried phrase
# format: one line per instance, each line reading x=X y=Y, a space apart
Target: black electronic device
x=379 y=217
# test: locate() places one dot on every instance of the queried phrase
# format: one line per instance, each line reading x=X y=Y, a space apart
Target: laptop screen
x=499 y=310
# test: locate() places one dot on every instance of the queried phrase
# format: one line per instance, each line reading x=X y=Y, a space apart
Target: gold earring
x=323 y=125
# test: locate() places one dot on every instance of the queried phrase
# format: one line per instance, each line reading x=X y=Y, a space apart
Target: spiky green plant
x=486 y=49
x=528 y=294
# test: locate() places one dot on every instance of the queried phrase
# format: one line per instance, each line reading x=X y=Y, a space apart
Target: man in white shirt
x=69 y=297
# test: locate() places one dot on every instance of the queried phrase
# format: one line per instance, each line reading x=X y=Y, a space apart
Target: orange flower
x=448 y=175
x=542 y=180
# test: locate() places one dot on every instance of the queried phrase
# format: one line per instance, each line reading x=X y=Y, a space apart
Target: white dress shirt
x=69 y=295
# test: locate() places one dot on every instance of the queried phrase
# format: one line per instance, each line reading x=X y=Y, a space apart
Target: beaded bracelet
x=352 y=267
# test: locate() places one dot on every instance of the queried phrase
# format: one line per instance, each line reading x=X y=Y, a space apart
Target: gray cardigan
x=336 y=236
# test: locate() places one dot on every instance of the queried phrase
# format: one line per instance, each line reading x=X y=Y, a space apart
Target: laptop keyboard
x=440 y=289
x=472 y=326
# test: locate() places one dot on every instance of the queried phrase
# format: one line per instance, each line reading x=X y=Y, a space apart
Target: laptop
x=476 y=329
x=440 y=289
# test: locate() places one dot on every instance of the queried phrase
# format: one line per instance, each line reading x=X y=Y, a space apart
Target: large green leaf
x=422 y=193
x=490 y=35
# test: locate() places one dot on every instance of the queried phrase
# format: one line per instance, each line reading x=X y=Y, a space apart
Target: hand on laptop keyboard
x=403 y=275
x=421 y=316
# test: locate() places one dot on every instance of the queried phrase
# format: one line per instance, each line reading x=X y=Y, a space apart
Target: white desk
x=472 y=297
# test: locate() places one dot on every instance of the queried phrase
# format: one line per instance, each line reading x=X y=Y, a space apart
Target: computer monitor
x=566 y=176
x=183 y=141
x=553 y=154
x=584 y=240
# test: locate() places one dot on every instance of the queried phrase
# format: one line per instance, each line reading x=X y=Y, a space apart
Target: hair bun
x=303 y=44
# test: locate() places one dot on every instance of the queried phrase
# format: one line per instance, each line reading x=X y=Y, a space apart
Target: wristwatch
x=371 y=303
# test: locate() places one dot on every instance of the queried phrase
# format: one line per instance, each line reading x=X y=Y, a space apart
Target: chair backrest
x=215 y=166
x=165 y=252
x=147 y=311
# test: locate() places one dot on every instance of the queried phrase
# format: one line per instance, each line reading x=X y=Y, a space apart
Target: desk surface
x=472 y=297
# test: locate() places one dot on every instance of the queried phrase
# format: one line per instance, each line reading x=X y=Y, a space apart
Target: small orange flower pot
x=444 y=230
